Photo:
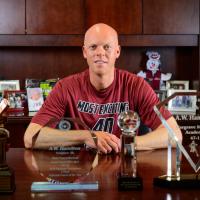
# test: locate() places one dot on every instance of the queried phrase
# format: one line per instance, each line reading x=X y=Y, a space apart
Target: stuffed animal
x=153 y=74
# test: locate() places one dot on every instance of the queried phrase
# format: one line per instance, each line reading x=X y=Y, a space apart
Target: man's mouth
x=100 y=61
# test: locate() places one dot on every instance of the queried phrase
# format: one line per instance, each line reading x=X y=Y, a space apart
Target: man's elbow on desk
x=30 y=132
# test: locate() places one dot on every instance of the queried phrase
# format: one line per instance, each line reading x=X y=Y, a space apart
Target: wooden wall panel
x=171 y=16
x=182 y=62
x=55 y=17
x=53 y=62
x=39 y=62
x=12 y=17
x=124 y=16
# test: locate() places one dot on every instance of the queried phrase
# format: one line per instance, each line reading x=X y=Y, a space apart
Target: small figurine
x=153 y=74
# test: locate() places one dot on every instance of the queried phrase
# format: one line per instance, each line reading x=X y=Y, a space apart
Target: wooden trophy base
x=126 y=183
x=7 y=181
x=185 y=181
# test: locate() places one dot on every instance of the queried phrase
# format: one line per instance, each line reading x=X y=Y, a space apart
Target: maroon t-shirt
x=74 y=96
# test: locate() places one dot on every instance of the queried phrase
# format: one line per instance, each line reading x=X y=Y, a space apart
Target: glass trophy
x=7 y=178
x=65 y=168
x=128 y=178
x=183 y=169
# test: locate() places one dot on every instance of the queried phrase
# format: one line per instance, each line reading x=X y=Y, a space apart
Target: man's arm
x=48 y=137
x=159 y=137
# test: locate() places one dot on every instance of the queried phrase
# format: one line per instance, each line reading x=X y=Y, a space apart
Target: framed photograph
x=9 y=85
x=1 y=96
x=17 y=100
x=32 y=83
x=195 y=84
x=162 y=94
x=182 y=104
x=4 y=104
x=35 y=98
x=177 y=85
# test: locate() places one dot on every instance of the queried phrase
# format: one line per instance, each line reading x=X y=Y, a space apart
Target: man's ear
x=118 y=51
x=84 y=53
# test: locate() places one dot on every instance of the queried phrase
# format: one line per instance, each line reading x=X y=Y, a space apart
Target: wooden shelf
x=18 y=118
x=77 y=40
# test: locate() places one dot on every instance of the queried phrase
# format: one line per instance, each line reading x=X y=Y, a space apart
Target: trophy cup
x=66 y=168
x=185 y=109
x=7 y=179
x=128 y=178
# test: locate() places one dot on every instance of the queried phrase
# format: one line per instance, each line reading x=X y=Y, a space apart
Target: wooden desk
x=16 y=123
x=150 y=165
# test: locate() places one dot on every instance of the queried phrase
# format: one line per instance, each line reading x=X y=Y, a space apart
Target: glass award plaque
x=66 y=168
x=7 y=178
x=128 y=178
x=185 y=107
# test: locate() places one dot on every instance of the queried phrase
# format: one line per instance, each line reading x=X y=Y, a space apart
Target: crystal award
x=65 y=168
x=183 y=168
x=128 y=178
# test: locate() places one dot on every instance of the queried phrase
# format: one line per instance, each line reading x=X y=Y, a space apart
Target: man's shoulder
x=75 y=77
x=127 y=75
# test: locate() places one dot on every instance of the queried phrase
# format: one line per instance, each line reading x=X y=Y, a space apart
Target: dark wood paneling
x=38 y=62
x=12 y=17
x=16 y=124
x=53 y=62
x=55 y=17
x=171 y=16
x=158 y=40
x=41 y=40
x=182 y=62
x=77 y=40
x=124 y=16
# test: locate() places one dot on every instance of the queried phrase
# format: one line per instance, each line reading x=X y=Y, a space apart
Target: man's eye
x=93 y=47
x=106 y=47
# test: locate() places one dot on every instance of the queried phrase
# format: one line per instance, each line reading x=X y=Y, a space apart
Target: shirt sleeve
x=53 y=107
x=146 y=100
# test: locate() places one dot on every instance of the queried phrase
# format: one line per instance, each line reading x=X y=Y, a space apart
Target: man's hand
x=106 y=142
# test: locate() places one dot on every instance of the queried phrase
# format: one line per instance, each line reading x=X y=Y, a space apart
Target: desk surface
x=150 y=165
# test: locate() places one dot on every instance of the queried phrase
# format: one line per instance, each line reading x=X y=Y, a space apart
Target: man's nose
x=100 y=50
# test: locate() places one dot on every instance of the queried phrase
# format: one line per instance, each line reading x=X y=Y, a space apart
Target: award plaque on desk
x=186 y=110
x=128 y=178
x=7 y=178
x=65 y=168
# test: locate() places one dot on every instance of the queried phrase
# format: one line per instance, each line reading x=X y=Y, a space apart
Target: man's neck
x=101 y=82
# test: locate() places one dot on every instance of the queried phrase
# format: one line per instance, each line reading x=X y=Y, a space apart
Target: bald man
x=97 y=96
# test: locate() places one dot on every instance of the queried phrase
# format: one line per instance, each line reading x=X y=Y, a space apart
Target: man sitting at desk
x=97 y=96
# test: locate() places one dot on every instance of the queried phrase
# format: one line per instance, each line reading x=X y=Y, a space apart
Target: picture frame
x=9 y=85
x=35 y=99
x=177 y=84
x=195 y=84
x=162 y=94
x=4 y=104
x=17 y=100
x=1 y=96
x=182 y=104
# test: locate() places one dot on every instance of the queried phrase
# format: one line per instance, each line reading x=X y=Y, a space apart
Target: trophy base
x=52 y=187
x=185 y=181
x=7 y=181
x=126 y=183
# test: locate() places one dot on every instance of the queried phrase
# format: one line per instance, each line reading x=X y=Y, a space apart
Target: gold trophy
x=7 y=179
x=128 y=178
